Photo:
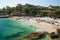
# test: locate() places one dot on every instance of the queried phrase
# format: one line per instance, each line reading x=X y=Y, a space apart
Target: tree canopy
x=31 y=10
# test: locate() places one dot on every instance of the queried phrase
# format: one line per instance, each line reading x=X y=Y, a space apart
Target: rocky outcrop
x=53 y=35
x=35 y=35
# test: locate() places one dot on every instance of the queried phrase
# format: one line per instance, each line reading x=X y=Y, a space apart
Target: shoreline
x=38 y=24
x=42 y=25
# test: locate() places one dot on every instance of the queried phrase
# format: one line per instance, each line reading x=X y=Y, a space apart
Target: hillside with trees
x=31 y=10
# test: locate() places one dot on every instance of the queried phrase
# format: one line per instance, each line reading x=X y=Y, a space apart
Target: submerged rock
x=34 y=36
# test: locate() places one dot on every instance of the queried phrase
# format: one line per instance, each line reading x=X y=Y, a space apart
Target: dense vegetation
x=31 y=10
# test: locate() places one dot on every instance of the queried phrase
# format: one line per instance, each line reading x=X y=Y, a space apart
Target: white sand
x=47 y=26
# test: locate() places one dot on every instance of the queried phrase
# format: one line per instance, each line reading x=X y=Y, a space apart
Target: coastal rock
x=53 y=35
x=35 y=35
x=46 y=33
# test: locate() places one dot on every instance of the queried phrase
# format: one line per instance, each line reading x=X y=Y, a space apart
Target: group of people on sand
x=38 y=22
x=39 y=19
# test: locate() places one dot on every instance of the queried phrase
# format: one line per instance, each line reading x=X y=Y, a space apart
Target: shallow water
x=13 y=28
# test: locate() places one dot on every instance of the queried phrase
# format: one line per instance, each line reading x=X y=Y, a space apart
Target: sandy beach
x=48 y=27
x=39 y=24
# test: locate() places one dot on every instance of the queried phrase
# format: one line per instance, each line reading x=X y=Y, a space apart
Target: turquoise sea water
x=13 y=29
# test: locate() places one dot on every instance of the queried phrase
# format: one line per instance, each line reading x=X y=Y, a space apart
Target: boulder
x=53 y=35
